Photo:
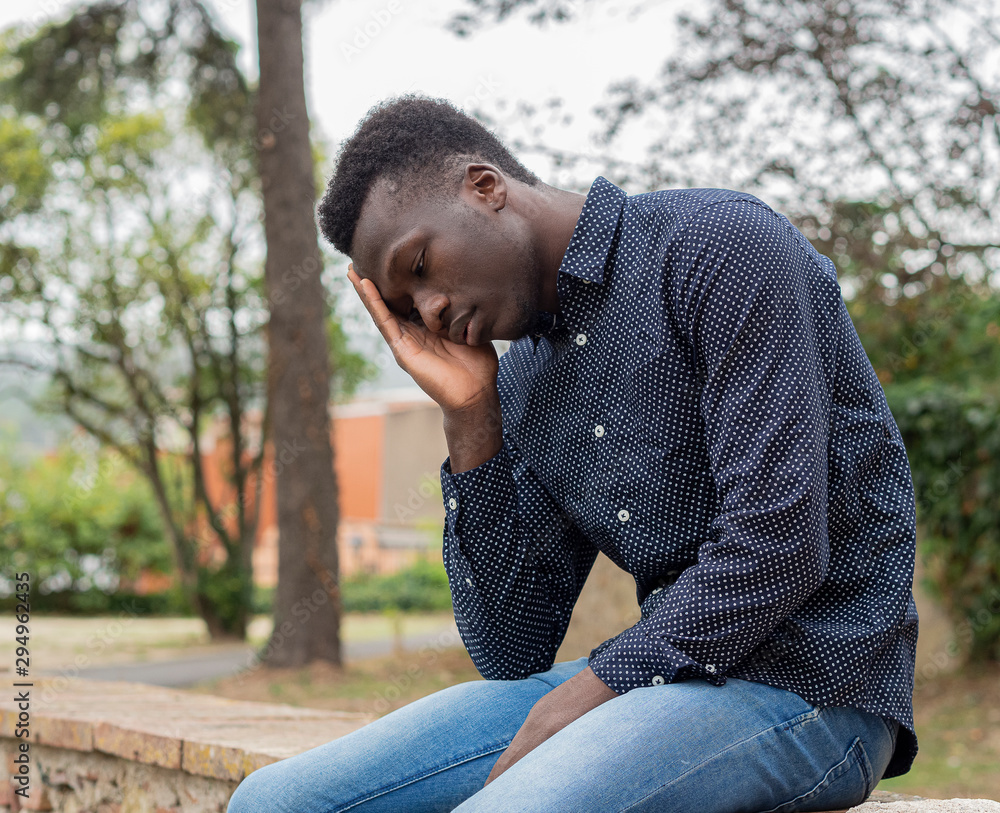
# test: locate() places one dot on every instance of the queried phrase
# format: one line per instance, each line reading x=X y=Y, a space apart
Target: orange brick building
x=388 y=449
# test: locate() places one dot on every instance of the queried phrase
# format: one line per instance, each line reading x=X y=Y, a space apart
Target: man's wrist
x=593 y=687
x=474 y=433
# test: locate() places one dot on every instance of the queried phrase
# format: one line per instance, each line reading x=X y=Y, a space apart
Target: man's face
x=461 y=262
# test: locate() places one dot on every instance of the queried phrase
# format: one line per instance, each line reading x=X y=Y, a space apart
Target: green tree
x=130 y=240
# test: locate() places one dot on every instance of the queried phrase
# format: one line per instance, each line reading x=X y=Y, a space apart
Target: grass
x=58 y=641
x=957 y=718
x=374 y=686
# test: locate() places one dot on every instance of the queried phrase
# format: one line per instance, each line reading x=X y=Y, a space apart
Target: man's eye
x=420 y=266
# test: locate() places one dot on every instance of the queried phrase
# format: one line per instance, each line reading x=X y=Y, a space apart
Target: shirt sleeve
x=515 y=561
x=758 y=313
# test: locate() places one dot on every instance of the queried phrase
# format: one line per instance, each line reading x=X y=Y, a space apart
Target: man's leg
x=426 y=757
x=691 y=746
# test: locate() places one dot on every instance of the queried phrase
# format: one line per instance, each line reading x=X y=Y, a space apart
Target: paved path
x=229 y=660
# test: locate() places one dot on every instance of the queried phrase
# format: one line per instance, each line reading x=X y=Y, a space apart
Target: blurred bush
x=84 y=524
x=96 y=602
x=422 y=587
x=938 y=355
x=952 y=437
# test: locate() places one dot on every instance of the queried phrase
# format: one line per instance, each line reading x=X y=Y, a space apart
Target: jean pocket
x=845 y=785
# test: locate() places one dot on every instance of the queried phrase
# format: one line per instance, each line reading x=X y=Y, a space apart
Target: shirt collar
x=587 y=253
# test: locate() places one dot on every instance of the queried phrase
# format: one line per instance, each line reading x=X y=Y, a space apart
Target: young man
x=686 y=393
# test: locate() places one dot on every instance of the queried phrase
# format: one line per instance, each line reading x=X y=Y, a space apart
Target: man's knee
x=256 y=793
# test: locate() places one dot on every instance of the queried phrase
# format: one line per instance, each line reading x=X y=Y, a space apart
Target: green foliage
x=935 y=345
x=262 y=602
x=131 y=239
x=950 y=334
x=422 y=587
x=228 y=591
x=94 y=601
x=349 y=368
x=26 y=172
x=952 y=437
x=81 y=521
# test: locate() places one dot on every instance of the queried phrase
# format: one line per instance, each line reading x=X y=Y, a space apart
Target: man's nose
x=431 y=307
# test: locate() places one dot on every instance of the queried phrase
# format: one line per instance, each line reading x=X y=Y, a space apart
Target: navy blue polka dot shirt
x=700 y=410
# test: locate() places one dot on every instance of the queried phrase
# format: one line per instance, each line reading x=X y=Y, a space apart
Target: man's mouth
x=468 y=332
x=472 y=334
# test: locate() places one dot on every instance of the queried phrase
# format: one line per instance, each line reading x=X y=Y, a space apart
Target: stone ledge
x=201 y=734
x=883 y=802
x=116 y=747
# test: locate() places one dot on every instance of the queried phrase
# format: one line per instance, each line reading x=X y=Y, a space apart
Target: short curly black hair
x=412 y=141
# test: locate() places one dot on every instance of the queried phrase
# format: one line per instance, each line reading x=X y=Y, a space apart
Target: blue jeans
x=688 y=747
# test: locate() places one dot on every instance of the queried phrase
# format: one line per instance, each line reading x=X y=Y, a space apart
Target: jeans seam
x=835 y=772
x=785 y=726
x=866 y=768
x=422 y=776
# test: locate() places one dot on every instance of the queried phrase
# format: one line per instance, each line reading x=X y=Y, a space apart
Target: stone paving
x=896 y=803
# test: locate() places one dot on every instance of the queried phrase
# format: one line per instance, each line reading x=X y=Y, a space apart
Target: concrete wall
x=413 y=449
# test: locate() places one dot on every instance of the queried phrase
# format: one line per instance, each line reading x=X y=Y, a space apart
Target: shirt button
x=468 y=581
x=586 y=282
x=657 y=590
x=581 y=338
x=710 y=668
x=623 y=515
x=599 y=431
x=658 y=680
x=453 y=503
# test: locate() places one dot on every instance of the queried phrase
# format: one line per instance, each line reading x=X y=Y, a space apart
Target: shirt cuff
x=632 y=659
x=479 y=499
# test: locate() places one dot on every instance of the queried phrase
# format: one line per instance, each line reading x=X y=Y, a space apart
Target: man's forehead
x=377 y=230
x=389 y=218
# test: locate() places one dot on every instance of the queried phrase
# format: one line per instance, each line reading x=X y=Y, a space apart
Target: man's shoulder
x=685 y=204
x=677 y=209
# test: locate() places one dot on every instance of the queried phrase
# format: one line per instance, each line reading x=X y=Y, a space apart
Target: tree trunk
x=307 y=602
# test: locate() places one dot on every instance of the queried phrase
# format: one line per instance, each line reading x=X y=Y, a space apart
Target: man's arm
x=553 y=712
x=475 y=433
x=515 y=562
x=760 y=316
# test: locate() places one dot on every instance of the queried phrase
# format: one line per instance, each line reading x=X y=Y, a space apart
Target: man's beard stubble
x=526 y=307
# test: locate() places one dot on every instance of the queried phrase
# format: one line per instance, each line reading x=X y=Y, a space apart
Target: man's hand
x=458 y=376
x=462 y=379
x=556 y=710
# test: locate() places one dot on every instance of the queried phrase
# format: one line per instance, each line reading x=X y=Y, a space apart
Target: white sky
x=359 y=52
x=512 y=62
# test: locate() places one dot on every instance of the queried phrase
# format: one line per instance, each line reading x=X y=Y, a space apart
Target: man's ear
x=485 y=185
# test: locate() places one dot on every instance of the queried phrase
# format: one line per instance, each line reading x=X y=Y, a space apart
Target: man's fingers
x=500 y=766
x=386 y=322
